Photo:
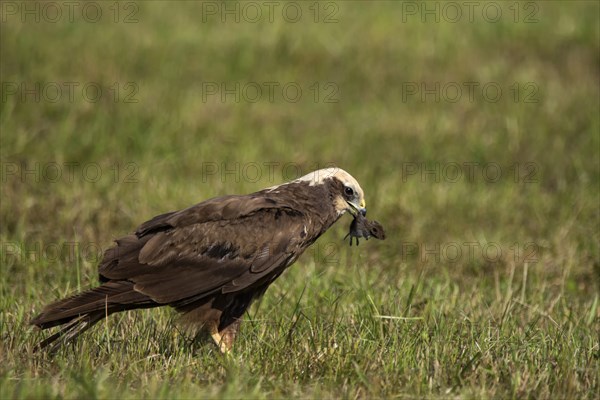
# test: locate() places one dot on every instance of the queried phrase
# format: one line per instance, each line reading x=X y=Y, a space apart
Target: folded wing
x=226 y=244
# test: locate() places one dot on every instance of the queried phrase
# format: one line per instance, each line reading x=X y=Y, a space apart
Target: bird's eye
x=349 y=191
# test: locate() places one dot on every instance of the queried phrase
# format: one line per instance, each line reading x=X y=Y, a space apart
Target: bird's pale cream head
x=351 y=197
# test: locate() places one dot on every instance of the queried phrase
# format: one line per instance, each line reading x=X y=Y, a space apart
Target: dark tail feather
x=84 y=310
x=70 y=332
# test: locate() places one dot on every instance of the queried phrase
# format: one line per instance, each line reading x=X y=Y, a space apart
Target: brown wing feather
x=214 y=246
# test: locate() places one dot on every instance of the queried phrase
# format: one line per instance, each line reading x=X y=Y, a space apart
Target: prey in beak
x=361 y=227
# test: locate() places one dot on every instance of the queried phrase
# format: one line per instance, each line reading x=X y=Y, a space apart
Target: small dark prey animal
x=210 y=261
x=361 y=227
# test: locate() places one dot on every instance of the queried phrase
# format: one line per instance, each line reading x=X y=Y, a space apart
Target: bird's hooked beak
x=356 y=209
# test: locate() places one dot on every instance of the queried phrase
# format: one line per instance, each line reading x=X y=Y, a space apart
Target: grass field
x=475 y=134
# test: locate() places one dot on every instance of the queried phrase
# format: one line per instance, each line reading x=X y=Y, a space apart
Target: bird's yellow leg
x=226 y=337
x=218 y=338
x=220 y=342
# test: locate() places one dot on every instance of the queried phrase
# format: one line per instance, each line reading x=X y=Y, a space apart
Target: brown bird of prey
x=211 y=260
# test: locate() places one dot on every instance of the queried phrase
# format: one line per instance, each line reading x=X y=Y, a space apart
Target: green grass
x=385 y=319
